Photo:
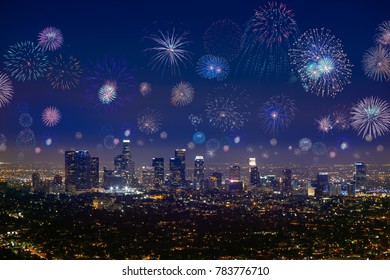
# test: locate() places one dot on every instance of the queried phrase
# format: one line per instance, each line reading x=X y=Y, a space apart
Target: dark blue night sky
x=118 y=29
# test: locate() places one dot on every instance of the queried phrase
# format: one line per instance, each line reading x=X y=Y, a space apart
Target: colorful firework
x=319 y=149
x=51 y=116
x=182 y=94
x=227 y=108
x=195 y=120
x=50 y=39
x=268 y=36
x=370 y=117
x=277 y=113
x=25 y=120
x=199 y=137
x=145 y=88
x=324 y=124
x=26 y=61
x=376 y=63
x=223 y=38
x=213 y=67
x=383 y=35
x=321 y=63
x=25 y=140
x=340 y=117
x=149 y=121
x=64 y=72
x=305 y=144
x=6 y=89
x=107 y=93
x=108 y=80
x=170 y=51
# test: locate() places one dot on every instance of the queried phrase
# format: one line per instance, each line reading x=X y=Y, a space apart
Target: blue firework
x=277 y=113
x=109 y=81
x=228 y=108
x=25 y=120
x=26 y=61
x=213 y=67
x=267 y=37
x=320 y=62
x=25 y=140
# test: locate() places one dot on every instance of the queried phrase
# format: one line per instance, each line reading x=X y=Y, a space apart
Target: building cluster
x=82 y=174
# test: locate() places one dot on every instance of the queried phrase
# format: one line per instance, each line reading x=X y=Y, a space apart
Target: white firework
x=182 y=94
x=370 y=117
x=376 y=63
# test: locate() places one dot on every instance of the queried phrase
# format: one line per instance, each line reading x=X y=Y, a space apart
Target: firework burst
x=51 y=116
x=107 y=93
x=170 y=51
x=25 y=140
x=182 y=94
x=25 y=120
x=376 y=63
x=145 y=88
x=149 y=121
x=278 y=112
x=227 y=108
x=108 y=80
x=319 y=149
x=340 y=117
x=383 y=35
x=26 y=61
x=6 y=89
x=213 y=67
x=195 y=120
x=370 y=117
x=305 y=144
x=321 y=63
x=268 y=36
x=64 y=72
x=223 y=38
x=324 y=124
x=50 y=39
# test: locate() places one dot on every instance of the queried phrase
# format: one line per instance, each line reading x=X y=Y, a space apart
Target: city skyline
x=86 y=124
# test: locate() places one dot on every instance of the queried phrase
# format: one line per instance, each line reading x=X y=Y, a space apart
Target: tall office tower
x=81 y=170
x=360 y=176
x=123 y=162
x=322 y=183
x=118 y=163
x=254 y=176
x=94 y=172
x=286 y=180
x=181 y=154
x=199 y=172
x=252 y=162
x=147 y=176
x=175 y=172
x=234 y=173
x=70 y=169
x=158 y=164
x=36 y=180
x=128 y=163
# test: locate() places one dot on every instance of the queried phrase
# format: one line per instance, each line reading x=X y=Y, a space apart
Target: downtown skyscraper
x=199 y=172
x=81 y=170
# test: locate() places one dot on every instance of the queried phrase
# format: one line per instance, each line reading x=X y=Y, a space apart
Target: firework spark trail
x=170 y=51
